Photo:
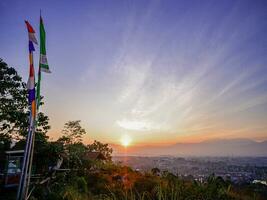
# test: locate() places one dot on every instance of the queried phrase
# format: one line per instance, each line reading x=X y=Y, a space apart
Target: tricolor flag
x=31 y=33
x=31 y=80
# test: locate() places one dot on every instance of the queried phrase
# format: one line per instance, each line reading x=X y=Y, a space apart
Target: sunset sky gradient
x=158 y=72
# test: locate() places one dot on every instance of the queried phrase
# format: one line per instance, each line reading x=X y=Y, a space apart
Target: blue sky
x=154 y=71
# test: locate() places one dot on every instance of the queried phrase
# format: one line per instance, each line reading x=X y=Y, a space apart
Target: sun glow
x=125 y=140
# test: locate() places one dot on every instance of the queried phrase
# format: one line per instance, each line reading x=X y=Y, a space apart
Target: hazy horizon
x=147 y=72
x=210 y=148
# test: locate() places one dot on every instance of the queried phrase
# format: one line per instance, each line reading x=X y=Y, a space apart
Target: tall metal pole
x=28 y=177
x=25 y=166
x=30 y=161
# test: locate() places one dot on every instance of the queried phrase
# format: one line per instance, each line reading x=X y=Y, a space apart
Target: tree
x=72 y=143
x=14 y=112
x=72 y=132
x=102 y=148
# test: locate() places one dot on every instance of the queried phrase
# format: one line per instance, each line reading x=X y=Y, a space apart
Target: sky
x=147 y=71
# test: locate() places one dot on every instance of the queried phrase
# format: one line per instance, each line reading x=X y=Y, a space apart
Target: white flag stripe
x=43 y=59
x=45 y=70
x=30 y=83
x=32 y=38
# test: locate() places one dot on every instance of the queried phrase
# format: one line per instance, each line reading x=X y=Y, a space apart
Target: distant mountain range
x=220 y=147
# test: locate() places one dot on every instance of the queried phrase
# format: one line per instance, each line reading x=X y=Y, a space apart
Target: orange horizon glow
x=129 y=142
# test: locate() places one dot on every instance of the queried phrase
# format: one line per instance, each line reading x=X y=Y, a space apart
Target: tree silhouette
x=102 y=148
x=72 y=132
x=14 y=112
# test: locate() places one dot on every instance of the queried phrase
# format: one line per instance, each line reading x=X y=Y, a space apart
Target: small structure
x=94 y=160
x=13 y=165
x=94 y=156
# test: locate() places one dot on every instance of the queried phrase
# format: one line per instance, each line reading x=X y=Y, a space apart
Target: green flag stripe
x=42 y=38
x=43 y=64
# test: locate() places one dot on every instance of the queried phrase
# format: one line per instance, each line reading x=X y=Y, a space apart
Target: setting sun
x=125 y=140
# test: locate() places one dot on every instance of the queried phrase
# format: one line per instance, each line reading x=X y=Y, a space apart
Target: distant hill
x=220 y=147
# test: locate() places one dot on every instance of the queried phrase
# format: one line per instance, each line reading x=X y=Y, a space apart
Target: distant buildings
x=237 y=170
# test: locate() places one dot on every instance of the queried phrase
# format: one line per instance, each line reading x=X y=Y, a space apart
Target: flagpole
x=32 y=152
x=25 y=174
x=24 y=166
x=34 y=102
x=33 y=132
x=30 y=159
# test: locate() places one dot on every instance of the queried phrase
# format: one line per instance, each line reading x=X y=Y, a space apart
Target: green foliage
x=13 y=102
x=14 y=112
x=46 y=155
x=75 y=157
x=14 y=116
x=72 y=132
x=73 y=148
x=116 y=182
x=102 y=148
x=75 y=151
x=64 y=187
x=76 y=189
